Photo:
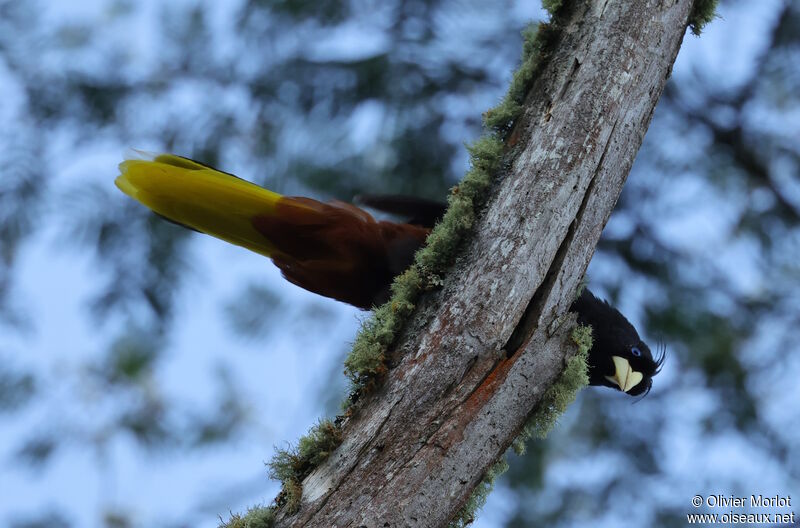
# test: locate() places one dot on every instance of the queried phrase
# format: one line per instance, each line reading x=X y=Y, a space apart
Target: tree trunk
x=477 y=356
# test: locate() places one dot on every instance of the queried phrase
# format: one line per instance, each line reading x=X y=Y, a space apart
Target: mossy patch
x=536 y=41
x=477 y=500
x=292 y=465
x=552 y=6
x=257 y=517
x=703 y=12
x=558 y=397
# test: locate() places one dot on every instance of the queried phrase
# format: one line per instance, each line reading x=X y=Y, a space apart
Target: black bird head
x=618 y=358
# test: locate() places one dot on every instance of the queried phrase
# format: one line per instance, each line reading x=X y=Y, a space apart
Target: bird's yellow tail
x=334 y=249
x=200 y=197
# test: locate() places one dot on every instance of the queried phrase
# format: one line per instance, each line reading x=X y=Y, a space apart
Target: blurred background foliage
x=331 y=99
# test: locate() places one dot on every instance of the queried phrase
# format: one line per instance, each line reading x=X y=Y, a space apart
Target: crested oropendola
x=340 y=251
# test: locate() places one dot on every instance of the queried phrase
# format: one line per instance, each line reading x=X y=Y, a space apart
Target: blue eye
x=636 y=352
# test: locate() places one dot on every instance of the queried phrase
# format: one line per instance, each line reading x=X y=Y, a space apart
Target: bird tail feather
x=200 y=197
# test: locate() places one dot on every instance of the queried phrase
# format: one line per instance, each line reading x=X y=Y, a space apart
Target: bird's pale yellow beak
x=624 y=376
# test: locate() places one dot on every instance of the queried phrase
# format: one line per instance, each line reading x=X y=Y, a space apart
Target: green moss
x=558 y=397
x=292 y=465
x=502 y=117
x=476 y=501
x=582 y=336
x=257 y=517
x=552 y=6
x=703 y=12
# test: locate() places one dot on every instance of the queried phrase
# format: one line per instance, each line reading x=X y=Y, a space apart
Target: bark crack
x=450 y=410
x=575 y=67
x=530 y=318
x=603 y=10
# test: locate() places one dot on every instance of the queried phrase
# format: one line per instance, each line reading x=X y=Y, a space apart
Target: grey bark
x=461 y=387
